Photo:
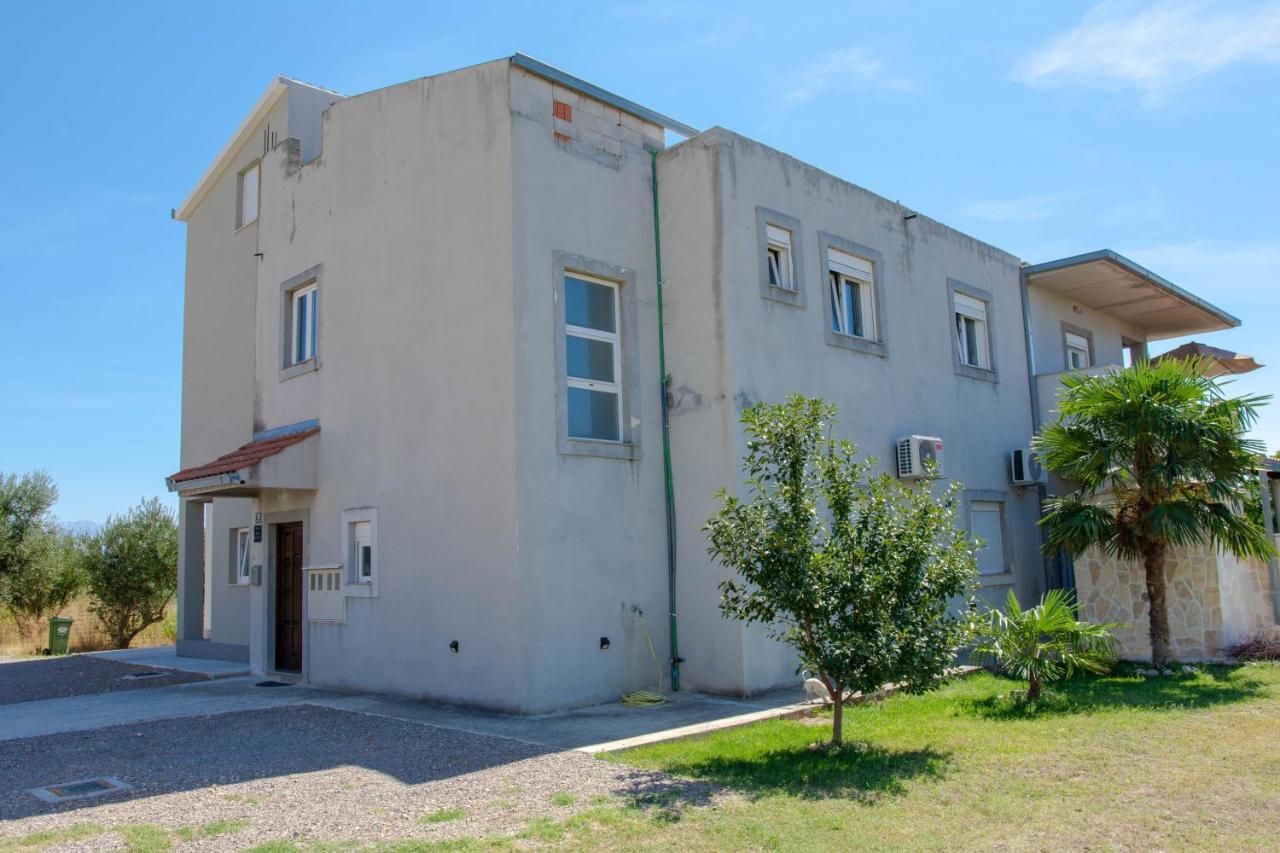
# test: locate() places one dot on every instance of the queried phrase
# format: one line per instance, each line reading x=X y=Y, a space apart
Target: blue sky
x=1047 y=129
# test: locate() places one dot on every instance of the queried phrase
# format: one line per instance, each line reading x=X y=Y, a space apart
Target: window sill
x=984 y=374
x=308 y=366
x=863 y=345
x=246 y=225
x=359 y=590
x=1001 y=579
x=244 y=584
x=794 y=298
x=602 y=449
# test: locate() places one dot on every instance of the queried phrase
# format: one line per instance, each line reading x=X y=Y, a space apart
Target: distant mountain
x=88 y=528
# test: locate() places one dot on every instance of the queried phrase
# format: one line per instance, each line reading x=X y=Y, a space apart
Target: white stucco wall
x=736 y=347
x=408 y=210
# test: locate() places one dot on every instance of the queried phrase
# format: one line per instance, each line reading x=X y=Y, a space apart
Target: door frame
x=270 y=520
x=277 y=531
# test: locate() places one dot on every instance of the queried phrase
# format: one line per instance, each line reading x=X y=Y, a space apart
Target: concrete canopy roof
x=1108 y=281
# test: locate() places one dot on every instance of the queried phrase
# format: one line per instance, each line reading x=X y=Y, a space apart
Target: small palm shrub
x=1044 y=643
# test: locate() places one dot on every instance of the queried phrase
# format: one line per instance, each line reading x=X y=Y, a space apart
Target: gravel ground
x=75 y=675
x=307 y=773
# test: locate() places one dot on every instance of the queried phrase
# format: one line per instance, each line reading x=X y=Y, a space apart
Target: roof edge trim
x=564 y=78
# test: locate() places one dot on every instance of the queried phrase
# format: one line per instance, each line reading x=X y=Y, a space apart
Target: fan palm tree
x=1159 y=459
x=1044 y=643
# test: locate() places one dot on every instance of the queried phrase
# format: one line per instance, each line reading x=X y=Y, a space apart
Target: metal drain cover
x=272 y=684
x=80 y=789
x=143 y=676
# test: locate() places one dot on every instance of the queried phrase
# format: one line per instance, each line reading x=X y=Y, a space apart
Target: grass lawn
x=1121 y=762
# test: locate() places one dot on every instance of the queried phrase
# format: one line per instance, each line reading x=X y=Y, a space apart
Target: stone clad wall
x=1214 y=599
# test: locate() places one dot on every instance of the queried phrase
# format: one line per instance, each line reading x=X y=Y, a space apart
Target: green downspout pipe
x=668 y=479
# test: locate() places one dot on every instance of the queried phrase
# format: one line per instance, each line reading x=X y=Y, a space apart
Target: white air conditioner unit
x=1024 y=470
x=915 y=452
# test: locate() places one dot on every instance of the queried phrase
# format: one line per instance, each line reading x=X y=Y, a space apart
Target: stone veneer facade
x=1214 y=600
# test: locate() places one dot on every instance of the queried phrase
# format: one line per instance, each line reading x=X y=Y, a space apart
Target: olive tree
x=37 y=571
x=858 y=573
x=132 y=568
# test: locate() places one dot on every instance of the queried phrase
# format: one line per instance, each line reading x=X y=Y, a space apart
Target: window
x=244 y=540
x=781 y=261
x=1134 y=352
x=778 y=257
x=852 y=295
x=247 y=196
x=971 y=331
x=593 y=358
x=360 y=552
x=303 y=346
x=1077 y=351
x=986 y=522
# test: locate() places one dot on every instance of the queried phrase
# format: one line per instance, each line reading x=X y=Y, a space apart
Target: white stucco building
x=422 y=426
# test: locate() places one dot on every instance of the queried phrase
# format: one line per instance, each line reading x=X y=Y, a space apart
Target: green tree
x=45 y=580
x=1045 y=643
x=25 y=504
x=35 y=577
x=132 y=567
x=1159 y=459
x=856 y=572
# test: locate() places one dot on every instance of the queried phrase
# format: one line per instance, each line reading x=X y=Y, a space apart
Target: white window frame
x=243 y=555
x=1077 y=345
x=780 y=258
x=245 y=215
x=614 y=339
x=971 y=310
x=851 y=277
x=303 y=339
x=356 y=585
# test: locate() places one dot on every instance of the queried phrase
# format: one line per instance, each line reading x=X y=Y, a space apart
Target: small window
x=781 y=267
x=593 y=358
x=362 y=551
x=971 y=331
x=986 y=522
x=1077 y=351
x=303 y=345
x=247 y=196
x=852 y=295
x=244 y=541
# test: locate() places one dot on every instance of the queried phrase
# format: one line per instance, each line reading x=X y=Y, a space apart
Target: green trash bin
x=59 y=634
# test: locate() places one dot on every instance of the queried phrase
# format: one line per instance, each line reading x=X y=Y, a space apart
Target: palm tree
x=1044 y=643
x=1159 y=458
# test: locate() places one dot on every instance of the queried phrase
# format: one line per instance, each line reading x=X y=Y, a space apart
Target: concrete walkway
x=594 y=729
x=166 y=657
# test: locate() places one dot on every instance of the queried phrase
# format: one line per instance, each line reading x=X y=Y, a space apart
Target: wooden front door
x=289 y=596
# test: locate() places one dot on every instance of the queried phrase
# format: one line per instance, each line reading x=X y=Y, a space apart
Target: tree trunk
x=1033 y=688
x=1153 y=563
x=837 y=716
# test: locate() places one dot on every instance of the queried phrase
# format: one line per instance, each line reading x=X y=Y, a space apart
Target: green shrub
x=1046 y=643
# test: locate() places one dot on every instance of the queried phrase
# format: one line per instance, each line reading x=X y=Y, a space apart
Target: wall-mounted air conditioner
x=915 y=452
x=1024 y=470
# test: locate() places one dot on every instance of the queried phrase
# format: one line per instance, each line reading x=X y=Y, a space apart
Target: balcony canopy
x=1109 y=282
x=276 y=459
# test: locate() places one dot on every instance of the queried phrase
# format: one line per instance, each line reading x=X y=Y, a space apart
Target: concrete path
x=586 y=729
x=166 y=657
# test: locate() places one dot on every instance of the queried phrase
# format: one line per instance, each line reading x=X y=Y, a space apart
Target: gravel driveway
x=77 y=675
x=307 y=773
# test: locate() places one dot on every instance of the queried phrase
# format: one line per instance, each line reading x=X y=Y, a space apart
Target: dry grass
x=86 y=634
x=1264 y=645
